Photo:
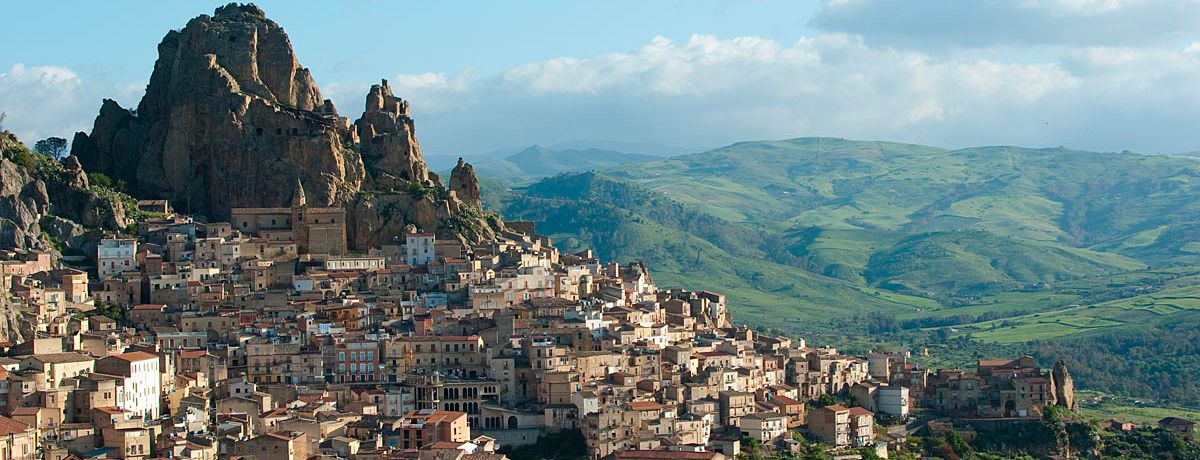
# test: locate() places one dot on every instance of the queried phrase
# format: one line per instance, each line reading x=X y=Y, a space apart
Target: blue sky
x=1097 y=74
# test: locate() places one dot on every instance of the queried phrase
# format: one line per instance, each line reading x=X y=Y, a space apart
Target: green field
x=1128 y=409
x=1141 y=310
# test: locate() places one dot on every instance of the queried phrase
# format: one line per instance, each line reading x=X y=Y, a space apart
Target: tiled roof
x=134 y=356
x=9 y=426
x=663 y=454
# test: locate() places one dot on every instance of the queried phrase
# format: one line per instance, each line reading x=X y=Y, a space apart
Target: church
x=315 y=230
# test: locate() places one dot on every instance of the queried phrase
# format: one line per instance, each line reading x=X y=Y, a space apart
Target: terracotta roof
x=134 y=356
x=994 y=362
x=781 y=399
x=9 y=426
x=645 y=405
x=68 y=357
x=444 y=445
x=664 y=454
x=858 y=411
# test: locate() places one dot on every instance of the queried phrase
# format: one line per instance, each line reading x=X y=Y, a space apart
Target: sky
x=1106 y=75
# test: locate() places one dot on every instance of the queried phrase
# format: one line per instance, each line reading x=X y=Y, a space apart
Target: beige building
x=764 y=426
x=831 y=424
x=315 y=230
x=284 y=445
x=58 y=367
x=18 y=441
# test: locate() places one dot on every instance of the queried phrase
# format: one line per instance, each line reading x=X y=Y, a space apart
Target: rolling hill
x=622 y=221
x=829 y=238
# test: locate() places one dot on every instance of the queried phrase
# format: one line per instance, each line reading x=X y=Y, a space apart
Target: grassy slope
x=970 y=228
x=690 y=249
x=893 y=215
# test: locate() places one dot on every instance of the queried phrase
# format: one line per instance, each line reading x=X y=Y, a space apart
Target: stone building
x=315 y=230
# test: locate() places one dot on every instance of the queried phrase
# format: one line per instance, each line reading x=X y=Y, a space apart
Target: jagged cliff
x=230 y=119
x=23 y=201
x=41 y=198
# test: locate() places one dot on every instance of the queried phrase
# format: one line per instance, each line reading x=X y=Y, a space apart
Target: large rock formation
x=230 y=119
x=1064 y=385
x=464 y=184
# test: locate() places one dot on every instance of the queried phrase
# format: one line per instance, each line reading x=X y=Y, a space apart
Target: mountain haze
x=537 y=161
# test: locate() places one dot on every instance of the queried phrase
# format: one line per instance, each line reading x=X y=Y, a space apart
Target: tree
x=53 y=147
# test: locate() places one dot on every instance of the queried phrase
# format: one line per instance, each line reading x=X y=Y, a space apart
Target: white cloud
x=712 y=91
x=709 y=91
x=46 y=100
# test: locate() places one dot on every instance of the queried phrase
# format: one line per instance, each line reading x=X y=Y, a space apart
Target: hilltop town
x=234 y=270
x=265 y=337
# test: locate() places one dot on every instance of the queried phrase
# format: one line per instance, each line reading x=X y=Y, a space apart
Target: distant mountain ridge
x=537 y=161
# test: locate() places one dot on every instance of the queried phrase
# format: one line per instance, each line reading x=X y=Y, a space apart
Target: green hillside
x=968 y=251
x=622 y=221
x=957 y=263
x=844 y=204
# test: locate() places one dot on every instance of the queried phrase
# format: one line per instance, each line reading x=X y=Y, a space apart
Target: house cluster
x=266 y=338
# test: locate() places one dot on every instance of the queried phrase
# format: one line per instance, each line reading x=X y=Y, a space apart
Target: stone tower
x=299 y=225
x=298 y=199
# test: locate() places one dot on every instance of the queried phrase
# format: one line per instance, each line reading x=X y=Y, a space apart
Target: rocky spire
x=1064 y=385
x=388 y=138
x=465 y=185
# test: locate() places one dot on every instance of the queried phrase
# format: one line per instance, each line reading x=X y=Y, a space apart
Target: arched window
x=512 y=422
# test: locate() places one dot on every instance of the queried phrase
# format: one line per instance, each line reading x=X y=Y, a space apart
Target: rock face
x=1064 y=386
x=230 y=119
x=23 y=202
x=388 y=143
x=57 y=201
x=464 y=184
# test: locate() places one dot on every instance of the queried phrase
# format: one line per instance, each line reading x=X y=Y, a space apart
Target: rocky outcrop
x=12 y=327
x=23 y=202
x=53 y=199
x=230 y=119
x=387 y=139
x=465 y=185
x=1064 y=385
x=72 y=197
